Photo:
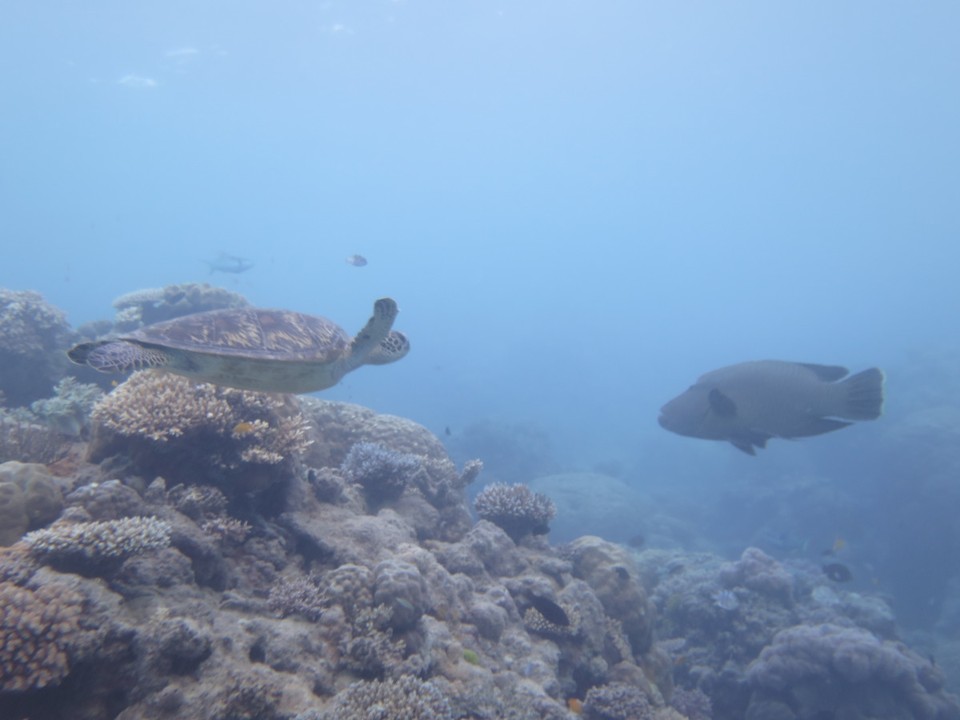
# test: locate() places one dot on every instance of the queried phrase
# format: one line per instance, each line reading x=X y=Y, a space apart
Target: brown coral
x=37 y=631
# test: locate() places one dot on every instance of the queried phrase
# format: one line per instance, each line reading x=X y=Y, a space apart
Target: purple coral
x=383 y=473
x=516 y=509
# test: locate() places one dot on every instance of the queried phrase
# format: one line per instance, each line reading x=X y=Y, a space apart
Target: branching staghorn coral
x=383 y=473
x=99 y=542
x=516 y=509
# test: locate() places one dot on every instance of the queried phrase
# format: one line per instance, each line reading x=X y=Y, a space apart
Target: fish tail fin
x=863 y=396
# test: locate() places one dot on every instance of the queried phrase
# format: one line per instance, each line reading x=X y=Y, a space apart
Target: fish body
x=550 y=610
x=751 y=402
x=229 y=264
x=725 y=600
x=356 y=260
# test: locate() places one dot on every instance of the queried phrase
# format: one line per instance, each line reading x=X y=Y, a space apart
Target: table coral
x=176 y=428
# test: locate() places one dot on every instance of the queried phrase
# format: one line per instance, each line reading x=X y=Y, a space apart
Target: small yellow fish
x=839 y=544
x=243 y=428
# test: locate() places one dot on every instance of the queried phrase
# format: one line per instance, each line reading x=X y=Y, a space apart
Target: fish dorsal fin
x=828 y=373
x=721 y=404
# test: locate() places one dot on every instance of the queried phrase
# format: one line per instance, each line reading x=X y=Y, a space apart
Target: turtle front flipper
x=374 y=332
x=114 y=356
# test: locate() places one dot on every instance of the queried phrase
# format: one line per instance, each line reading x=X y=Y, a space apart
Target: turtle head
x=393 y=347
x=113 y=356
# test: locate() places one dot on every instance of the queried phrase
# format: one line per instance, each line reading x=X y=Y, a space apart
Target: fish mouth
x=662 y=421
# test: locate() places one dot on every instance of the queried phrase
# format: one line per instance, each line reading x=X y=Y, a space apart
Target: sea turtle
x=251 y=348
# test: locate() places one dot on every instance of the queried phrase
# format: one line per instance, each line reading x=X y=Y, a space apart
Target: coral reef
x=152 y=305
x=225 y=554
x=33 y=338
x=515 y=508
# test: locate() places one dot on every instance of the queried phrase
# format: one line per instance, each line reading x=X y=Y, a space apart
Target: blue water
x=580 y=207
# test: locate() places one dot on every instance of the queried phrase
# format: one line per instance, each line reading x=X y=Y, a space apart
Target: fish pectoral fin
x=819 y=426
x=750 y=440
x=721 y=404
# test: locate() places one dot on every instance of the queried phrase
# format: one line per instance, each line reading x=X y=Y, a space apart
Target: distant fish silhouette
x=356 y=260
x=229 y=264
x=838 y=572
x=749 y=403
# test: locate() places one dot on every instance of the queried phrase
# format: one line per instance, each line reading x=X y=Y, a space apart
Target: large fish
x=229 y=264
x=751 y=402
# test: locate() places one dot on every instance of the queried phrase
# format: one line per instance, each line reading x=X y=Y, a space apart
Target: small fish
x=356 y=260
x=446 y=431
x=575 y=706
x=243 y=428
x=229 y=264
x=751 y=402
x=550 y=610
x=405 y=604
x=838 y=572
x=838 y=545
x=725 y=600
x=637 y=540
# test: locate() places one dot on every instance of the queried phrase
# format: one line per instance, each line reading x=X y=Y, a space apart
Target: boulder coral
x=29 y=498
x=827 y=670
x=33 y=338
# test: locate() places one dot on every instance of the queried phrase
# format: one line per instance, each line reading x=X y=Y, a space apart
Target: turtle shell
x=255 y=333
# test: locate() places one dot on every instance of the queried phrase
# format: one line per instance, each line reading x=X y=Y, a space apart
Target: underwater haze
x=580 y=208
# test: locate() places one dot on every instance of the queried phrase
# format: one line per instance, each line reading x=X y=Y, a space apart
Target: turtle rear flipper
x=114 y=356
